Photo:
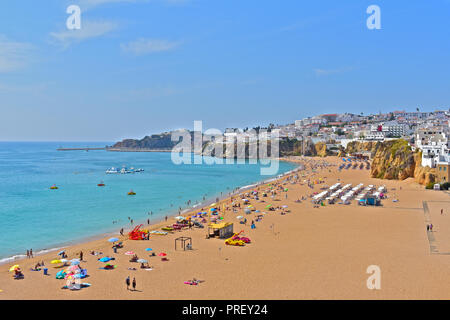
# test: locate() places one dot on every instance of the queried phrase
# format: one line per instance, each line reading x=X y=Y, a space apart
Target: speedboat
x=101 y=184
x=131 y=193
x=53 y=187
x=112 y=170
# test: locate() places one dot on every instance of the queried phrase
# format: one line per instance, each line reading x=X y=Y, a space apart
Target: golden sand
x=309 y=253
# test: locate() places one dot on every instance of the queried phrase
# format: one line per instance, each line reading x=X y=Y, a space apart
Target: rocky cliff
x=394 y=160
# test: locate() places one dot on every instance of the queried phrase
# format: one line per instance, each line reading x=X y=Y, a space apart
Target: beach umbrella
x=61 y=252
x=148 y=249
x=250 y=206
x=285 y=206
x=213 y=204
x=162 y=254
x=14 y=267
x=213 y=209
x=239 y=217
x=179 y=218
x=129 y=253
x=257 y=211
x=73 y=268
x=74 y=262
x=55 y=261
x=142 y=261
x=113 y=239
x=247 y=211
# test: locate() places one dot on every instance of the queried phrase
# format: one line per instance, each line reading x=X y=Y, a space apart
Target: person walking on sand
x=127 y=281
x=121 y=231
x=442 y=211
x=148 y=221
x=166 y=218
x=31 y=253
x=28 y=254
x=428 y=227
x=81 y=255
x=134 y=284
x=431 y=227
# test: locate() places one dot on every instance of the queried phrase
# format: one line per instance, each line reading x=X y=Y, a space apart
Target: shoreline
x=153 y=226
x=295 y=249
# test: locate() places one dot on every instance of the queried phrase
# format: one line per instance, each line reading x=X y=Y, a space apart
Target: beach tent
x=222 y=230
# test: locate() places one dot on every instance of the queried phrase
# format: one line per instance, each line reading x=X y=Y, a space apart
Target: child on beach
x=127 y=282
x=134 y=284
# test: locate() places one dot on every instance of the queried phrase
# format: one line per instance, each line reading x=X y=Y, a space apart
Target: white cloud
x=13 y=55
x=145 y=46
x=89 y=29
x=326 y=72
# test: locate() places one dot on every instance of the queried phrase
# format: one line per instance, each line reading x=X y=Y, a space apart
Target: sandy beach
x=307 y=253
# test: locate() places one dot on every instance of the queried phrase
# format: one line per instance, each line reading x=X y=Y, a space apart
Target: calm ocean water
x=33 y=216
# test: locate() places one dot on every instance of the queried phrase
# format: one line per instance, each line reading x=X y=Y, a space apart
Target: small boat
x=131 y=193
x=53 y=187
x=112 y=170
x=101 y=184
x=125 y=170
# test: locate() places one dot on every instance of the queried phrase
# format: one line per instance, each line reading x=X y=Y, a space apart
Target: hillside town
x=424 y=131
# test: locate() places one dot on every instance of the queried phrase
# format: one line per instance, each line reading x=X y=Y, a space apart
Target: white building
x=434 y=144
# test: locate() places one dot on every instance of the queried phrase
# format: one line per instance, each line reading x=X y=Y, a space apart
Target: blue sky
x=138 y=67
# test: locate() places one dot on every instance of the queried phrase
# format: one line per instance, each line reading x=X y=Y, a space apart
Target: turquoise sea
x=33 y=216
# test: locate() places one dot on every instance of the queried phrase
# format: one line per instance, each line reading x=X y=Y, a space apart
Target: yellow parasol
x=213 y=204
x=14 y=267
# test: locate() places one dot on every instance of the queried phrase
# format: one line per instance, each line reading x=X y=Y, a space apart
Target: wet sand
x=308 y=253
